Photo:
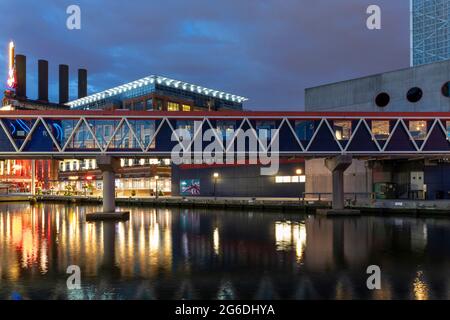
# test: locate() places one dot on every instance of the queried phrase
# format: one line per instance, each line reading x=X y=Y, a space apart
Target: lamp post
x=156 y=186
x=299 y=172
x=215 y=176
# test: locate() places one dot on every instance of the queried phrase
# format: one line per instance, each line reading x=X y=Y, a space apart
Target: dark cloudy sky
x=266 y=50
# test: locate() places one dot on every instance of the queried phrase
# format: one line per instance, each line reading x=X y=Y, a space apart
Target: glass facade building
x=430 y=31
x=156 y=93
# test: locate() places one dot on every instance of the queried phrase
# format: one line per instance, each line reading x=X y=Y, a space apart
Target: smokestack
x=21 y=72
x=63 y=83
x=82 y=83
x=42 y=80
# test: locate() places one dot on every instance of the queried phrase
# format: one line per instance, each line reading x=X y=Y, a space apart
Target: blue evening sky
x=266 y=50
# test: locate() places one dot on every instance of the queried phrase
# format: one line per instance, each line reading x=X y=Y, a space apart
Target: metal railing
x=351 y=198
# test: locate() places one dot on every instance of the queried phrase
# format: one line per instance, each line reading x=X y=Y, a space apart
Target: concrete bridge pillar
x=108 y=166
x=337 y=165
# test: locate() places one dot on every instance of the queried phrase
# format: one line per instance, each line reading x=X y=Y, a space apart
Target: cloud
x=267 y=50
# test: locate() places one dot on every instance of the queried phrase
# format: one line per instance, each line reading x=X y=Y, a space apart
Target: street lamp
x=156 y=186
x=215 y=176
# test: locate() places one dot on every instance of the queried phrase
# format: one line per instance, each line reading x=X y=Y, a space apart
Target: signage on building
x=190 y=187
x=11 y=68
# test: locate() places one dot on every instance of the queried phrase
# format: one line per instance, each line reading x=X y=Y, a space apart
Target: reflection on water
x=203 y=254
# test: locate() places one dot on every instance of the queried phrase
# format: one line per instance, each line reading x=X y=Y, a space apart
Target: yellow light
x=11 y=68
x=156 y=177
x=299 y=171
x=11 y=56
x=420 y=288
x=215 y=175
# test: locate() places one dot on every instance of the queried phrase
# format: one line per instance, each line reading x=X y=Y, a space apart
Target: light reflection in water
x=290 y=235
x=420 y=288
x=216 y=241
x=167 y=254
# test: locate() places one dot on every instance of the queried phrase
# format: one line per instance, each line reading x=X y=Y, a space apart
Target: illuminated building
x=138 y=176
x=156 y=93
x=153 y=93
x=16 y=175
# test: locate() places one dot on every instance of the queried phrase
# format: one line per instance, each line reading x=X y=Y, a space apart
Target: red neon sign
x=11 y=82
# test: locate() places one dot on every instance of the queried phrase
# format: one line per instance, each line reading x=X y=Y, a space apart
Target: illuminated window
x=186 y=107
x=290 y=179
x=418 y=129
x=380 y=130
x=172 y=106
x=343 y=130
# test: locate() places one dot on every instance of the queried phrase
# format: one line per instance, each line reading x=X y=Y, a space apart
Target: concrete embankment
x=228 y=203
x=14 y=198
x=408 y=208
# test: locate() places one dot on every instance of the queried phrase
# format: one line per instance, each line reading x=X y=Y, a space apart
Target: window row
x=413 y=95
x=90 y=164
x=304 y=129
x=290 y=179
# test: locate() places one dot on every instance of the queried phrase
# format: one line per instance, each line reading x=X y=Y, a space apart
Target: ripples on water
x=205 y=254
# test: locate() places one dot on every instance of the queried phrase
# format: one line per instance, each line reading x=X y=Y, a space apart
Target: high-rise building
x=430 y=31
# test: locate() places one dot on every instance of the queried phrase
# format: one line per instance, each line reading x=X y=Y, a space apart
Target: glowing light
x=11 y=67
x=154 y=79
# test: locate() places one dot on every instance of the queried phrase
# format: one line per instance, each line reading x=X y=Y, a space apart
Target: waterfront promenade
x=308 y=205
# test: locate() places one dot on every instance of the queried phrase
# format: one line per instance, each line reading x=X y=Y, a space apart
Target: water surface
x=208 y=254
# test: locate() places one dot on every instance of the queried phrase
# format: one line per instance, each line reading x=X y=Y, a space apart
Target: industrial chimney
x=82 y=83
x=21 y=72
x=43 y=80
x=63 y=83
